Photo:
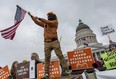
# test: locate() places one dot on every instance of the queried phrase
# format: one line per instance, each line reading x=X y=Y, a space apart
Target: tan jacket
x=50 y=27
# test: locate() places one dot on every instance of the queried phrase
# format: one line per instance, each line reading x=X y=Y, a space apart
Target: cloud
x=29 y=37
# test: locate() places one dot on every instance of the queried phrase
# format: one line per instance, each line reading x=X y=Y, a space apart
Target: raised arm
x=48 y=22
x=35 y=19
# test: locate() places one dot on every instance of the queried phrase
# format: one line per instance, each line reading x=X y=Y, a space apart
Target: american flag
x=85 y=41
x=9 y=33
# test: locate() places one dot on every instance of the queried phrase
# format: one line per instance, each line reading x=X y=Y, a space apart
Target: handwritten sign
x=4 y=73
x=54 y=70
x=109 y=59
x=23 y=70
x=80 y=59
x=107 y=30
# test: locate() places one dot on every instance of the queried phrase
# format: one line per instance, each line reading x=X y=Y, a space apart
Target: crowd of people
x=100 y=65
x=13 y=70
x=51 y=43
x=34 y=56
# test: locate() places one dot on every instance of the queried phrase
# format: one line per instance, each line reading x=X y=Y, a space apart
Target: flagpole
x=110 y=41
x=30 y=14
x=60 y=38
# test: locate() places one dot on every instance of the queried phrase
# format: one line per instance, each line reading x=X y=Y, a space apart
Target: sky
x=29 y=36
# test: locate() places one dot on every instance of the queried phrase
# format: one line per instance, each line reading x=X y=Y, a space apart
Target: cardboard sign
x=109 y=59
x=23 y=70
x=4 y=73
x=32 y=69
x=107 y=30
x=54 y=70
x=80 y=59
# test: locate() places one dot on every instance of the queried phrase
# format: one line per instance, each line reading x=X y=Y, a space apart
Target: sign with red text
x=80 y=59
x=4 y=73
x=54 y=70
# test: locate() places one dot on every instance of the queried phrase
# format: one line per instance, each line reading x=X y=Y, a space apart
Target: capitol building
x=84 y=31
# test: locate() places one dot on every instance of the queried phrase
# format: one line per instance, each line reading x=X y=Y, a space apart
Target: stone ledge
x=78 y=76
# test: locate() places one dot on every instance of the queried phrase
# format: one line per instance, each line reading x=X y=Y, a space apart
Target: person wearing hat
x=51 y=41
x=112 y=46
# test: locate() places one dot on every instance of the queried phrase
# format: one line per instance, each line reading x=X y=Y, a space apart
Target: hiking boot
x=45 y=76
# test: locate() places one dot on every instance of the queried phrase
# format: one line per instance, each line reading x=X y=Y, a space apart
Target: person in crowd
x=13 y=70
x=50 y=41
x=97 y=63
x=24 y=61
x=102 y=63
x=0 y=67
x=112 y=46
x=34 y=56
x=99 y=66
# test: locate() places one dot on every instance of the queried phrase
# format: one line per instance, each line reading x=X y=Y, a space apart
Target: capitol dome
x=83 y=31
x=82 y=26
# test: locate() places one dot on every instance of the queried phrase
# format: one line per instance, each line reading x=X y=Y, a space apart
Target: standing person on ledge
x=51 y=41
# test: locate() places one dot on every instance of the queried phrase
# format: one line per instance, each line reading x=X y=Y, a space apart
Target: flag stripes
x=10 y=32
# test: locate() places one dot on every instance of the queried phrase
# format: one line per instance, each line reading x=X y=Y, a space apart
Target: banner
x=109 y=59
x=23 y=70
x=4 y=73
x=54 y=70
x=107 y=30
x=109 y=74
x=80 y=59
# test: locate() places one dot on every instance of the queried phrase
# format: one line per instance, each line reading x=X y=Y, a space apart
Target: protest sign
x=32 y=69
x=54 y=70
x=23 y=70
x=107 y=30
x=80 y=59
x=4 y=73
x=109 y=59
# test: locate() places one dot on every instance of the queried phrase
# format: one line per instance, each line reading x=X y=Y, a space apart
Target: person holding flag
x=50 y=41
